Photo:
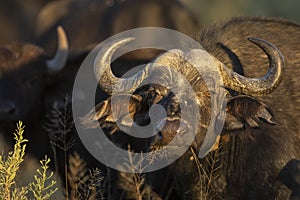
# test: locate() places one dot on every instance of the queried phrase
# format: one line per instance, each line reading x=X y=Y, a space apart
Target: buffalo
x=258 y=60
x=26 y=71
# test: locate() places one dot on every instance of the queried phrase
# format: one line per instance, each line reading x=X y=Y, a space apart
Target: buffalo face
x=242 y=111
x=24 y=69
x=21 y=83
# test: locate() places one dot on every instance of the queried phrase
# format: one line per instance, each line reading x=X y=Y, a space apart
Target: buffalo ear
x=103 y=116
x=245 y=111
x=102 y=110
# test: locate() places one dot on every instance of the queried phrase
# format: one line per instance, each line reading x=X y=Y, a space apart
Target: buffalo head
x=241 y=111
x=24 y=69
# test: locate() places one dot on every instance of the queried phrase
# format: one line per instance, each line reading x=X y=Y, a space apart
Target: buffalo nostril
x=8 y=108
x=159 y=135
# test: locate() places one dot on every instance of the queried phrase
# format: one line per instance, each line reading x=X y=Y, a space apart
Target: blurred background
x=209 y=11
x=18 y=17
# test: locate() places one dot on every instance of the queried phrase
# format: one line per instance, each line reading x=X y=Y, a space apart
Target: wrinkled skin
x=260 y=136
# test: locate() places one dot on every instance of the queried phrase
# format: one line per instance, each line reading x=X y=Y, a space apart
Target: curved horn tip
x=254 y=39
x=104 y=56
x=59 y=61
x=266 y=84
x=127 y=39
x=62 y=37
x=102 y=65
x=262 y=43
x=120 y=42
x=109 y=49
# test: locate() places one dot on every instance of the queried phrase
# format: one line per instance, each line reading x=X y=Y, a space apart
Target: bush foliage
x=44 y=185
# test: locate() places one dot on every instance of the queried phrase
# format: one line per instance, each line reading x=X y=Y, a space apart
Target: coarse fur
x=253 y=160
x=260 y=135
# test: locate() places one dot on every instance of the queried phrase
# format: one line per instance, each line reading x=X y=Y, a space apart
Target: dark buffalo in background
x=261 y=133
x=26 y=71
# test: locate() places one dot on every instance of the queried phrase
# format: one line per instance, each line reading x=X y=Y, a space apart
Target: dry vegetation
x=44 y=185
x=84 y=183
